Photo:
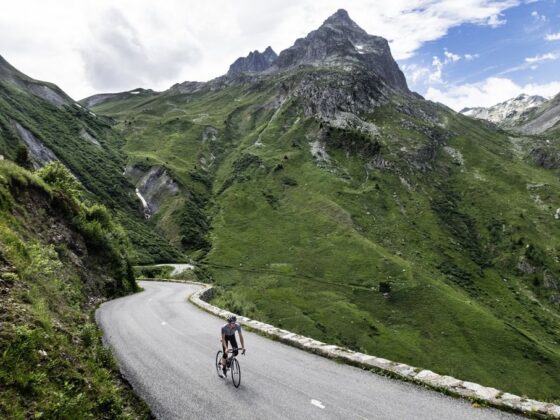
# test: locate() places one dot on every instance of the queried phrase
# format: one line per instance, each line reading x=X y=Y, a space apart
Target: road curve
x=166 y=348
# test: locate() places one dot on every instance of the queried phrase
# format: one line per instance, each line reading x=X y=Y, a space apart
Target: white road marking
x=318 y=403
x=163 y=323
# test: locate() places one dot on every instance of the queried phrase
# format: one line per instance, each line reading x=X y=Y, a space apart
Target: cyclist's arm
x=224 y=342
x=242 y=340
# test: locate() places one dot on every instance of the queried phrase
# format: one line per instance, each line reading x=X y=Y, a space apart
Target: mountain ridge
x=507 y=113
x=47 y=91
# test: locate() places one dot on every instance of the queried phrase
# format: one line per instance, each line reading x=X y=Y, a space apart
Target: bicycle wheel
x=235 y=373
x=218 y=366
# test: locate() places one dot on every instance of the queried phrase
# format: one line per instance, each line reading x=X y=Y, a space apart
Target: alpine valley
x=321 y=195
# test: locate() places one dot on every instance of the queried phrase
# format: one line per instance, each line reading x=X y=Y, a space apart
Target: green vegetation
x=91 y=150
x=427 y=243
x=58 y=258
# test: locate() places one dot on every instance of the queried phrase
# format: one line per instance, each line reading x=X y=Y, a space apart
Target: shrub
x=290 y=182
x=384 y=287
x=61 y=179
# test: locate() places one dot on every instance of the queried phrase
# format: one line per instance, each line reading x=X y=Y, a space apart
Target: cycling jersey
x=229 y=329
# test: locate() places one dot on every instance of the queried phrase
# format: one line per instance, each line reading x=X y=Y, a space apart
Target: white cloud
x=538 y=17
x=494 y=21
x=470 y=57
x=415 y=73
x=450 y=57
x=204 y=37
x=542 y=57
x=552 y=37
x=488 y=92
x=436 y=75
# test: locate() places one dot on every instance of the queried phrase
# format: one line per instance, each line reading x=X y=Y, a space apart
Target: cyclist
x=228 y=336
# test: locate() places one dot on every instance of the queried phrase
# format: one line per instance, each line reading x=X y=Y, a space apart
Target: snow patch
x=360 y=48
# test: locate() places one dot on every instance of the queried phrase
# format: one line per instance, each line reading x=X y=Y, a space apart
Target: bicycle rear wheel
x=218 y=366
x=235 y=373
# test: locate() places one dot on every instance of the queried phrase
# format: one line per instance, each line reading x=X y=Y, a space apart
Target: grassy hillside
x=58 y=259
x=88 y=146
x=305 y=221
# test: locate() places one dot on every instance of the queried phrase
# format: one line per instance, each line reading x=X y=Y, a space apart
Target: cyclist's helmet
x=232 y=319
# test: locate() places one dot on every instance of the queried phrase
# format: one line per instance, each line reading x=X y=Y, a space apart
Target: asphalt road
x=166 y=348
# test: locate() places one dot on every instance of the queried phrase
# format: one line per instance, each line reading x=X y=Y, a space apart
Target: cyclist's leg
x=225 y=355
x=234 y=345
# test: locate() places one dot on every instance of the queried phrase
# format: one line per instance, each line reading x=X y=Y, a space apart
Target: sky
x=462 y=53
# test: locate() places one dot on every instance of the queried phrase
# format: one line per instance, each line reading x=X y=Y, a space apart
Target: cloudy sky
x=461 y=53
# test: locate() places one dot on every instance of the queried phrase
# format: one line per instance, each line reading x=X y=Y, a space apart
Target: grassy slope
x=304 y=244
x=99 y=168
x=53 y=363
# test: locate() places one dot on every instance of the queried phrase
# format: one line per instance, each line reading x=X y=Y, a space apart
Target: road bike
x=231 y=364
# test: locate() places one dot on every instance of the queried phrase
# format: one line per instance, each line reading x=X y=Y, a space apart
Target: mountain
x=255 y=62
x=47 y=91
x=322 y=196
x=542 y=119
x=508 y=113
x=340 y=42
x=39 y=119
x=99 y=99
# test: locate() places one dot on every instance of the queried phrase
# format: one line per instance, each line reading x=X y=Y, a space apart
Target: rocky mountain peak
x=341 y=20
x=339 y=42
x=255 y=62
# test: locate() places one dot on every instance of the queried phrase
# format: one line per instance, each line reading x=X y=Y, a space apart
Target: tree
x=22 y=157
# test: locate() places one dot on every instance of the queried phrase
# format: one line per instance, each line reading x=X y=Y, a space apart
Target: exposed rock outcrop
x=40 y=154
x=154 y=184
x=545 y=117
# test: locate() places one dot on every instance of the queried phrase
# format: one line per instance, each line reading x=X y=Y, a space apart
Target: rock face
x=545 y=117
x=40 y=154
x=340 y=42
x=154 y=184
x=506 y=113
x=255 y=62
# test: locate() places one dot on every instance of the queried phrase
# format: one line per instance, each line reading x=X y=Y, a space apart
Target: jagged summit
x=255 y=62
x=342 y=19
x=340 y=42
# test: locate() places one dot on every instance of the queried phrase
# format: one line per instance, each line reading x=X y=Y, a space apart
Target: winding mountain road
x=166 y=348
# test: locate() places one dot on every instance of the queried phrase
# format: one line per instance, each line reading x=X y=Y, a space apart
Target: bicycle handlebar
x=231 y=350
